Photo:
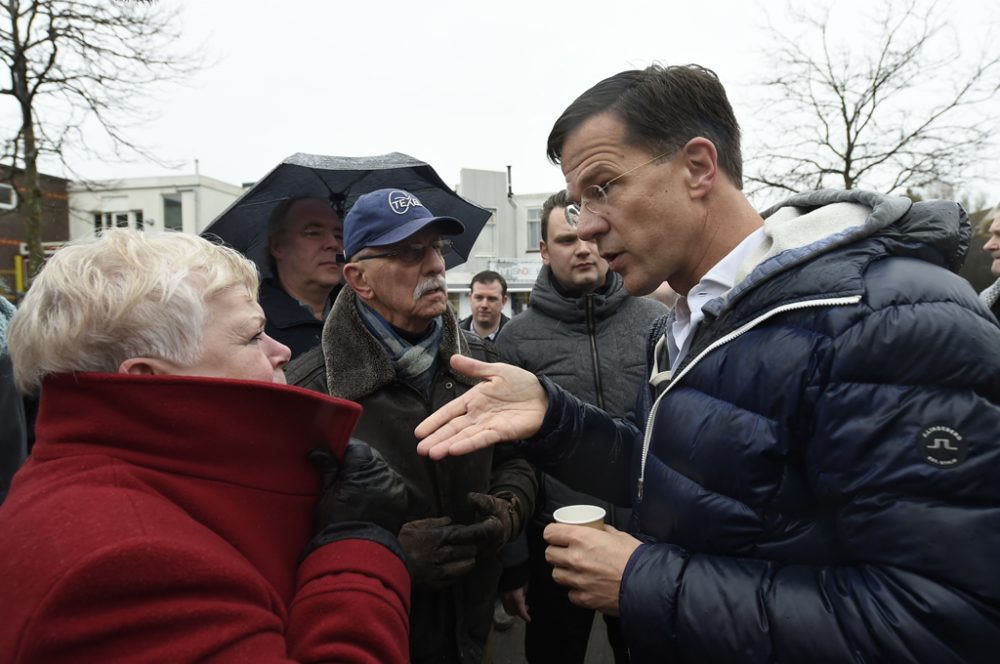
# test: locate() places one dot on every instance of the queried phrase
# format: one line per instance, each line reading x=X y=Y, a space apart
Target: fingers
x=444 y=415
x=423 y=524
x=482 y=503
x=456 y=568
x=356 y=454
x=561 y=534
x=471 y=367
x=481 y=531
x=456 y=441
x=519 y=605
x=451 y=553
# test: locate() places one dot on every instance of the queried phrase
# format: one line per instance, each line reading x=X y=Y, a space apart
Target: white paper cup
x=591 y=516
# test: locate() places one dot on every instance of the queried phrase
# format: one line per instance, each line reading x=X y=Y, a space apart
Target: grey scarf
x=990 y=294
x=414 y=364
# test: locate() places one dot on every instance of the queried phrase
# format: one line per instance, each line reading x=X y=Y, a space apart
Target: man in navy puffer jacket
x=816 y=460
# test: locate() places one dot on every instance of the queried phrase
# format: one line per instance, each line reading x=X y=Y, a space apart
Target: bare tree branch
x=81 y=73
x=909 y=110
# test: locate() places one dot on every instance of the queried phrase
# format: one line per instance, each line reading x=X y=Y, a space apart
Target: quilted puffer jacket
x=819 y=480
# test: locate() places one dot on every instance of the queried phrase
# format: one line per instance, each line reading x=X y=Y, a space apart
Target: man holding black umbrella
x=387 y=345
x=304 y=236
x=289 y=223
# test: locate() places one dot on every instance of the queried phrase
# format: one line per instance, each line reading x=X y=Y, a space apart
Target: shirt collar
x=718 y=281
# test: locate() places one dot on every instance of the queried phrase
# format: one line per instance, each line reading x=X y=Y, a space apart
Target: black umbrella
x=243 y=225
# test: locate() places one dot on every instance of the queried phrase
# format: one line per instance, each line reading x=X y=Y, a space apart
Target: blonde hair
x=124 y=294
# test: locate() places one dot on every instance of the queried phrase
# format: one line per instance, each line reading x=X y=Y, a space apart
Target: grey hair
x=121 y=295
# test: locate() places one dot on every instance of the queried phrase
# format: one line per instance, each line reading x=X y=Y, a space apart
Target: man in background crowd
x=991 y=294
x=587 y=334
x=13 y=427
x=304 y=236
x=488 y=297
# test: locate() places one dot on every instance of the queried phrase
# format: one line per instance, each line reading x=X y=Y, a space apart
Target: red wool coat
x=160 y=519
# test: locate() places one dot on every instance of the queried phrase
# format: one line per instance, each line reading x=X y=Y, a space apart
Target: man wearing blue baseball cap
x=387 y=345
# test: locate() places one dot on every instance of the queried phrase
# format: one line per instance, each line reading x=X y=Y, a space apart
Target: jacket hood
x=554 y=304
x=809 y=225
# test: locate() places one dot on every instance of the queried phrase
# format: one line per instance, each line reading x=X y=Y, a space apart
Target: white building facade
x=186 y=203
x=508 y=244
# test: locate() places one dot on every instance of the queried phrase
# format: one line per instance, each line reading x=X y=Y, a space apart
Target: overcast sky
x=473 y=84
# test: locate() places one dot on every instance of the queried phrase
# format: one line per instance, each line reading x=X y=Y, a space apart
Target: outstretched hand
x=508 y=405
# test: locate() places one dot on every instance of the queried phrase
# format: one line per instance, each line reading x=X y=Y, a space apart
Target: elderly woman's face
x=234 y=344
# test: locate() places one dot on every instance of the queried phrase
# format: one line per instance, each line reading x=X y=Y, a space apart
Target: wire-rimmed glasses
x=594 y=198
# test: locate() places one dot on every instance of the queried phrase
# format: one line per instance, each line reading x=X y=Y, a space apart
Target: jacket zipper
x=594 y=357
x=722 y=341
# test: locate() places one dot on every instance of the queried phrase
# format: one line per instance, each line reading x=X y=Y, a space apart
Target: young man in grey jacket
x=587 y=334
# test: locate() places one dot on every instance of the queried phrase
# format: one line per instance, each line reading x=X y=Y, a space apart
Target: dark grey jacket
x=594 y=347
x=451 y=624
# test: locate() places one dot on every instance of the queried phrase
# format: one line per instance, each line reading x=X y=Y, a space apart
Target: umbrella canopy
x=243 y=225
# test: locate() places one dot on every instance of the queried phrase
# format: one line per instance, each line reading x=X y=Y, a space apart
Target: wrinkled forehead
x=233 y=302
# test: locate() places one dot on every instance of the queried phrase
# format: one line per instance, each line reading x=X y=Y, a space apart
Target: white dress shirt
x=717 y=282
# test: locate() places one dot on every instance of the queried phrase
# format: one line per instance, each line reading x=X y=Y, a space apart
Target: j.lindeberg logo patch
x=942 y=447
x=400 y=202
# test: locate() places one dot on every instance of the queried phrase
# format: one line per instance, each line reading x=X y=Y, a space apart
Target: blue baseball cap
x=387 y=216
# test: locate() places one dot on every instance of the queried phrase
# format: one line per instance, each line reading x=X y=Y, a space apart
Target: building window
x=172 y=219
x=8 y=197
x=534 y=228
x=127 y=219
x=486 y=242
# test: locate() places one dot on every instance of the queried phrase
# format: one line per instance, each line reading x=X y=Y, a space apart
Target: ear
x=144 y=366
x=544 y=251
x=354 y=275
x=700 y=160
x=503 y=300
x=274 y=248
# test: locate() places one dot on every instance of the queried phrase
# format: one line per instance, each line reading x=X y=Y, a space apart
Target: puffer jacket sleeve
x=914 y=577
x=594 y=439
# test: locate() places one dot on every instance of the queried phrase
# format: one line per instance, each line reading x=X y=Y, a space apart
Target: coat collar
x=356 y=363
x=237 y=432
x=606 y=300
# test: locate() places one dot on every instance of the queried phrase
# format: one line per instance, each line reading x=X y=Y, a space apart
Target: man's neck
x=314 y=296
x=482 y=332
x=574 y=293
x=727 y=223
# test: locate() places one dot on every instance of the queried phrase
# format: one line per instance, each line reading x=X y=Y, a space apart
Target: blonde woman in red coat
x=169 y=512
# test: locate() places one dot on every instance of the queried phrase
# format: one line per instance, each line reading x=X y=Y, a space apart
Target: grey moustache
x=429 y=284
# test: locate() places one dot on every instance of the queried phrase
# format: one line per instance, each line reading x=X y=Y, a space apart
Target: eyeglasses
x=595 y=197
x=411 y=254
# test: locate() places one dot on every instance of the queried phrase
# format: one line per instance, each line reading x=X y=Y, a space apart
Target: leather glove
x=437 y=551
x=359 y=496
x=499 y=518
